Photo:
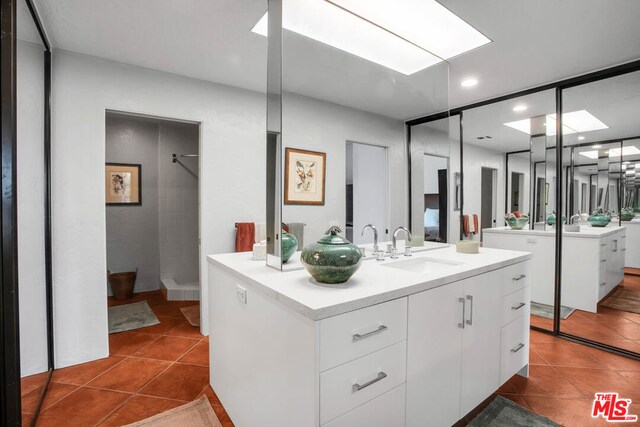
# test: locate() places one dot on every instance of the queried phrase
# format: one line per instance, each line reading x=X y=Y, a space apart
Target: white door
x=481 y=339
x=369 y=191
x=434 y=346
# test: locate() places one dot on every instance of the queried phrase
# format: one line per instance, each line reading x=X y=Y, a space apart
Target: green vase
x=332 y=259
x=289 y=245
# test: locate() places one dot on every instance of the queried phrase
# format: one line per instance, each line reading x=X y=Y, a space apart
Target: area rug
x=546 y=311
x=623 y=299
x=192 y=314
x=193 y=414
x=503 y=412
x=131 y=316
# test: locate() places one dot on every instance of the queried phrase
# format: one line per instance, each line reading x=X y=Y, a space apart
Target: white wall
x=232 y=154
x=369 y=191
x=432 y=165
x=522 y=165
x=316 y=125
x=30 y=200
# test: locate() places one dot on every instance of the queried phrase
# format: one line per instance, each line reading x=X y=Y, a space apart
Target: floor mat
x=192 y=314
x=546 y=311
x=131 y=316
x=193 y=414
x=503 y=412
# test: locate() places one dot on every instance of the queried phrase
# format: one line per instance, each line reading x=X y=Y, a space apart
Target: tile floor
x=157 y=368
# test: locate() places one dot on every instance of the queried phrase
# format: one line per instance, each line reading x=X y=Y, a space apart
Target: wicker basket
x=122 y=284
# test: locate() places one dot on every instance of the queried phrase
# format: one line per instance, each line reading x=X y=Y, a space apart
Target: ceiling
x=533 y=43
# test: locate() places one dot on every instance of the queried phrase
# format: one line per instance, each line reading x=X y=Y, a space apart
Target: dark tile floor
x=157 y=368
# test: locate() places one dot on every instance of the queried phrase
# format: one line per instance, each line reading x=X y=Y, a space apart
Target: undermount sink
x=424 y=265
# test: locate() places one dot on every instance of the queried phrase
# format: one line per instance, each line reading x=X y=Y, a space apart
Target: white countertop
x=372 y=284
x=585 y=231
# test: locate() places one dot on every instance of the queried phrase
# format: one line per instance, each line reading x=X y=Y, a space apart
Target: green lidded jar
x=289 y=245
x=599 y=220
x=332 y=259
x=627 y=214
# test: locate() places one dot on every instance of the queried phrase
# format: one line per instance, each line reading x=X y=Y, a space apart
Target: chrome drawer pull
x=517 y=348
x=518 y=307
x=520 y=277
x=358 y=337
x=381 y=376
x=464 y=309
x=470 y=321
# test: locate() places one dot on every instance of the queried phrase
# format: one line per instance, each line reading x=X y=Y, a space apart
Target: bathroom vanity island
x=593 y=261
x=415 y=341
x=632 y=253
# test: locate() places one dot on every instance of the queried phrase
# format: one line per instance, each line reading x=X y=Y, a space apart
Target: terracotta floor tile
x=507 y=388
x=55 y=392
x=165 y=325
x=624 y=344
x=127 y=343
x=85 y=372
x=566 y=412
x=517 y=399
x=591 y=381
x=536 y=336
x=139 y=408
x=32 y=382
x=83 y=407
x=541 y=322
x=198 y=355
x=168 y=310
x=26 y=419
x=604 y=314
x=633 y=377
x=211 y=395
x=185 y=330
x=594 y=331
x=545 y=381
x=613 y=361
x=536 y=359
x=130 y=375
x=563 y=353
x=167 y=348
x=626 y=330
x=182 y=382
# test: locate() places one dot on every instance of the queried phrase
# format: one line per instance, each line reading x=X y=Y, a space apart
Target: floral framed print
x=123 y=184
x=304 y=177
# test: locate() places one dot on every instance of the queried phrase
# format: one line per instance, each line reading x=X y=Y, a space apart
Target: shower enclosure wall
x=159 y=237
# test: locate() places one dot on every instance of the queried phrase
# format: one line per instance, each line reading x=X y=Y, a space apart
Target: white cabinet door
x=434 y=348
x=481 y=339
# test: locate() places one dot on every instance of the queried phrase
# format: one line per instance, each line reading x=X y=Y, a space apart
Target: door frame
x=450 y=207
x=494 y=197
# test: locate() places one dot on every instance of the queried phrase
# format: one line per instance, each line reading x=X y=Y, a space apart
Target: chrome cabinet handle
x=464 y=309
x=381 y=376
x=603 y=244
x=615 y=242
x=518 y=307
x=520 y=277
x=470 y=321
x=517 y=348
x=358 y=337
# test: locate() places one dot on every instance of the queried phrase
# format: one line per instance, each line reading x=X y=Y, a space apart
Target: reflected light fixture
x=519 y=107
x=613 y=152
x=406 y=36
x=469 y=82
x=596 y=146
x=581 y=138
x=573 y=122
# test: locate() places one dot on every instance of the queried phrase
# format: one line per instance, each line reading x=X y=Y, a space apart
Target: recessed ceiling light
x=469 y=82
x=581 y=138
x=520 y=107
x=626 y=151
x=596 y=146
x=573 y=122
x=406 y=37
x=590 y=154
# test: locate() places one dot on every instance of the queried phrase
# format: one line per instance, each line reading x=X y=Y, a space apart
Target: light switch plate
x=241 y=294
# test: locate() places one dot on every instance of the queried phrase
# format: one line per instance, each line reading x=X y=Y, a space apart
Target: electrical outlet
x=241 y=294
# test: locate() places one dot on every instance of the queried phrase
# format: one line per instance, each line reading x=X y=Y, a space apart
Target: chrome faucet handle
x=407 y=250
x=394 y=253
x=380 y=256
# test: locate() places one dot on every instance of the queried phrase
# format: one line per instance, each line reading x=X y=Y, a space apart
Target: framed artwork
x=304 y=177
x=123 y=184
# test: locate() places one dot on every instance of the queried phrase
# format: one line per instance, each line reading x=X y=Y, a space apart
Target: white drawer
x=383 y=411
x=516 y=277
x=514 y=347
x=360 y=332
x=373 y=374
x=515 y=305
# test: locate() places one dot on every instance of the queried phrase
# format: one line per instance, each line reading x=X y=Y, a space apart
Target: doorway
x=488 y=198
x=366 y=191
x=517 y=191
x=436 y=200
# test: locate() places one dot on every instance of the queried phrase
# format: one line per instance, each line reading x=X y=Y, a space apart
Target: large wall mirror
x=343 y=151
x=34 y=297
x=601 y=261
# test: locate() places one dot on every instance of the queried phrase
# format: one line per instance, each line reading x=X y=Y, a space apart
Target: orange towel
x=465 y=225
x=475 y=223
x=244 y=236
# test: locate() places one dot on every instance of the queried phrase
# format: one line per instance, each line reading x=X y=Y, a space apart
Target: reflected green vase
x=627 y=214
x=289 y=245
x=332 y=259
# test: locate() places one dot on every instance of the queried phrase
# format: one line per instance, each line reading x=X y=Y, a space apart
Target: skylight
x=402 y=36
x=572 y=122
x=613 y=152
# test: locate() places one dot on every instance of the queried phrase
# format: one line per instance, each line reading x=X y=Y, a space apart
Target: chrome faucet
x=394 y=251
x=375 y=236
x=573 y=218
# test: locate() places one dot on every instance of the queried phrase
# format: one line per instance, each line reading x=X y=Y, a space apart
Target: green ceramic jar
x=289 y=245
x=332 y=259
x=517 y=223
x=627 y=214
x=551 y=219
x=599 y=220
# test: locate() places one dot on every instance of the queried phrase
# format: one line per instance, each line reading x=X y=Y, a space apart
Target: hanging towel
x=261 y=232
x=297 y=229
x=475 y=224
x=465 y=225
x=245 y=234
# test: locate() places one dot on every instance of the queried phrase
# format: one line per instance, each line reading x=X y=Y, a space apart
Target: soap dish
x=468 y=247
